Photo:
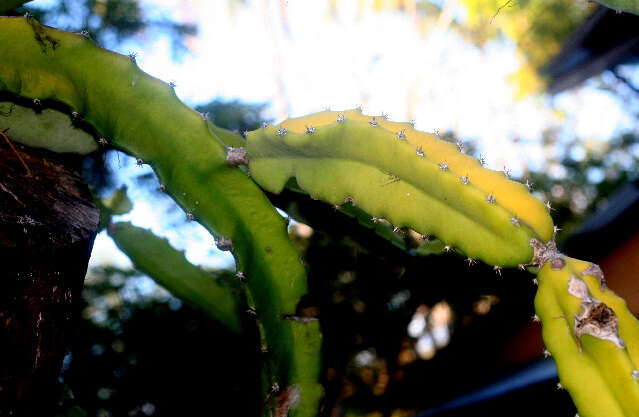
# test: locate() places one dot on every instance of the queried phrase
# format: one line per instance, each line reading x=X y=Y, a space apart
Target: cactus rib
x=351 y=160
x=166 y=265
x=142 y=116
x=593 y=337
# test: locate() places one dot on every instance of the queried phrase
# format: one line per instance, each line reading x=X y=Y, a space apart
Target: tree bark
x=47 y=226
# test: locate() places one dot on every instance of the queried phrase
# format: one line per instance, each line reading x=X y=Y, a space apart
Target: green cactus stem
x=167 y=266
x=365 y=164
x=631 y=6
x=591 y=334
x=142 y=116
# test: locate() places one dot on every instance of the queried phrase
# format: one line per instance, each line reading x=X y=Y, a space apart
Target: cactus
x=412 y=179
x=631 y=6
x=387 y=169
x=591 y=334
x=139 y=114
x=167 y=266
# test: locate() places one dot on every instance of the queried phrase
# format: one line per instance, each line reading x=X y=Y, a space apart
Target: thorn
x=420 y=151
x=460 y=146
x=251 y=312
x=425 y=238
x=350 y=200
x=464 y=180
x=337 y=207
x=437 y=133
x=172 y=84
x=275 y=388
x=340 y=118
x=163 y=188
x=37 y=102
x=132 y=56
x=373 y=122
x=529 y=185
x=189 y=216
x=264 y=349
x=85 y=33
x=635 y=374
x=443 y=166
x=555 y=229
x=240 y=276
x=103 y=142
x=282 y=131
x=515 y=221
x=497 y=269
x=521 y=267
x=448 y=249
x=245 y=134
x=206 y=116
x=310 y=129
x=470 y=261
x=559 y=386
x=548 y=206
x=139 y=162
x=236 y=156
x=412 y=123
x=75 y=116
x=535 y=318
x=223 y=243
x=397 y=229
x=384 y=116
x=482 y=160
x=401 y=135
x=547 y=353
x=264 y=125
x=535 y=281
x=490 y=198
x=507 y=172
x=375 y=219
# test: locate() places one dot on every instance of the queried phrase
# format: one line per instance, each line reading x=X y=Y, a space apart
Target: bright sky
x=298 y=57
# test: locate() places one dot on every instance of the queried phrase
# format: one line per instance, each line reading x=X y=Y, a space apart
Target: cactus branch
x=348 y=158
x=156 y=258
x=142 y=116
x=592 y=336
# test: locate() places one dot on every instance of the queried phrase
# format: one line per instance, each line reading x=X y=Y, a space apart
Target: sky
x=299 y=57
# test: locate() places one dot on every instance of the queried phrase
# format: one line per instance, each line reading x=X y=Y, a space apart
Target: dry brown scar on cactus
x=595 y=271
x=596 y=318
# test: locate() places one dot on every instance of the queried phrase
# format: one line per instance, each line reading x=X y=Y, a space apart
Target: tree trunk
x=47 y=226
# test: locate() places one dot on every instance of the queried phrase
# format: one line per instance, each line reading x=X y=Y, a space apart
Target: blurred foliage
x=579 y=177
x=234 y=114
x=538 y=28
x=141 y=352
x=110 y=21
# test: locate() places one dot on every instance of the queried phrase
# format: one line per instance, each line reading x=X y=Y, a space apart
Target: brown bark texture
x=47 y=226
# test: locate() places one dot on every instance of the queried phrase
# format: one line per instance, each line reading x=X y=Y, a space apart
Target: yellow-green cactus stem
x=592 y=336
x=141 y=115
x=169 y=267
x=345 y=157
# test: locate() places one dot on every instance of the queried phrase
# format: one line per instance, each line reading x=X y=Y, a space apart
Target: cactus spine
x=141 y=115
